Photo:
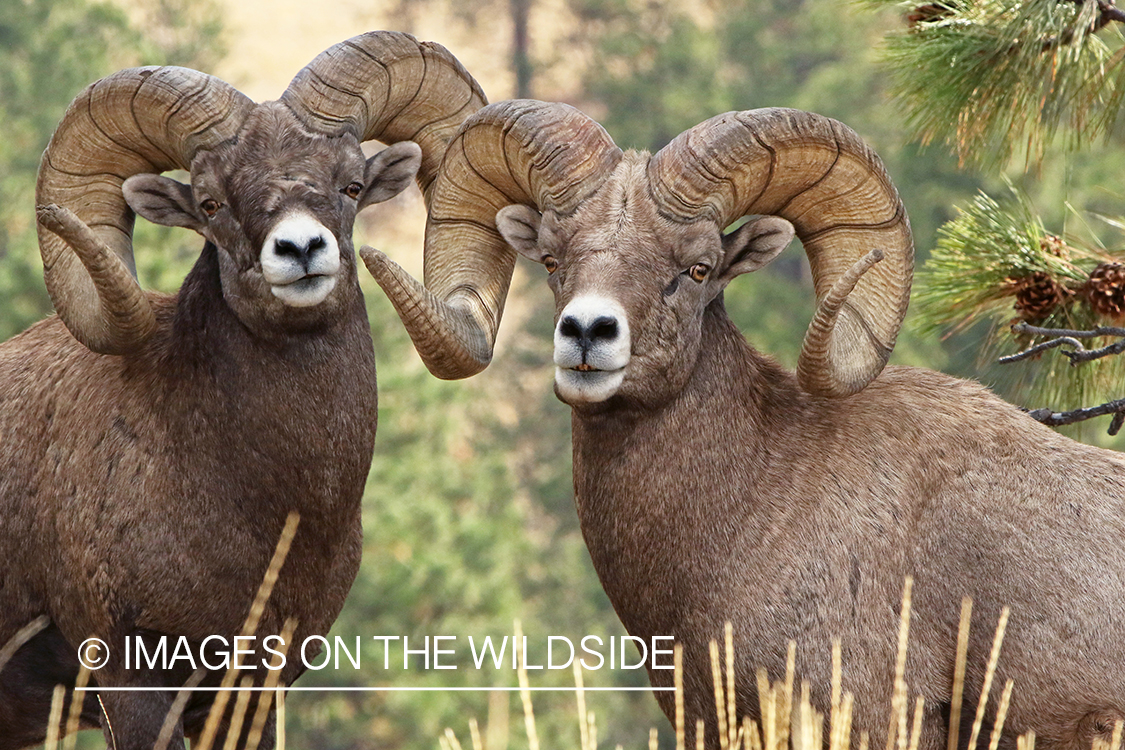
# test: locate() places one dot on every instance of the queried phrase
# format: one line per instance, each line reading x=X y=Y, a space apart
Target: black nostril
x=570 y=328
x=600 y=329
x=603 y=328
x=287 y=248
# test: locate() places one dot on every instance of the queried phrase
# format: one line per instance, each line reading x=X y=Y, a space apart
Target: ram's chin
x=306 y=292
x=575 y=387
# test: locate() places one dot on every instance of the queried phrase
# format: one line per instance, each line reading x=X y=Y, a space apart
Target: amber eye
x=550 y=263
x=699 y=271
x=210 y=206
x=353 y=190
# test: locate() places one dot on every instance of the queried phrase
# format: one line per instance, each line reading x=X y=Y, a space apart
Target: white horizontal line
x=370 y=689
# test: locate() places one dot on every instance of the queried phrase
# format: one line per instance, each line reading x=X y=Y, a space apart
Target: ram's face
x=279 y=204
x=631 y=287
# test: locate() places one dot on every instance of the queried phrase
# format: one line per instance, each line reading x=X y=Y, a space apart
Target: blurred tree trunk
x=521 y=59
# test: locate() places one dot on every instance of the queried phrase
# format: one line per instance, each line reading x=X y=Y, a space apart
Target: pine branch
x=1078 y=353
x=1065 y=337
x=1056 y=418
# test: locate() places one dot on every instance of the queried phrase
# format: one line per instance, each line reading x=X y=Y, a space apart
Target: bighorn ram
x=149 y=461
x=711 y=484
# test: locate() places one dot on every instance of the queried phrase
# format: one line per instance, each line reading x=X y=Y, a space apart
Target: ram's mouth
x=306 y=291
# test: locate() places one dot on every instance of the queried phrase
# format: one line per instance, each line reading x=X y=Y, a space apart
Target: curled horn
x=818 y=174
x=550 y=156
x=388 y=86
x=136 y=121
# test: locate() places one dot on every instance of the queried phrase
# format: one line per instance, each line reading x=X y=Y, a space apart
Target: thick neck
x=297 y=410
x=638 y=474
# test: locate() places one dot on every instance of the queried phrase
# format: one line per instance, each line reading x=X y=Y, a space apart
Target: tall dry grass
x=789 y=721
x=783 y=724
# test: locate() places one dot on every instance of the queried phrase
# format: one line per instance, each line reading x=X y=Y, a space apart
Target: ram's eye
x=353 y=190
x=699 y=271
x=210 y=206
x=550 y=263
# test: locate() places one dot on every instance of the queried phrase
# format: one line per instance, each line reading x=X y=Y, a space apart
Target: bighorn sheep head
x=635 y=247
x=275 y=187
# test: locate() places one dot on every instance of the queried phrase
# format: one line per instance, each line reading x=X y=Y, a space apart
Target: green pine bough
x=988 y=77
x=997 y=263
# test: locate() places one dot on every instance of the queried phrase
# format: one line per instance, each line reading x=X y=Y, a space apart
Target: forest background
x=468 y=512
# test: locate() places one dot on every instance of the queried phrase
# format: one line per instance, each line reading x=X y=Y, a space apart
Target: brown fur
x=710 y=488
x=144 y=494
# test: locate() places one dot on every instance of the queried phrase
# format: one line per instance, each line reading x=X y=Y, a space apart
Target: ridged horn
x=550 y=156
x=387 y=86
x=140 y=120
x=818 y=174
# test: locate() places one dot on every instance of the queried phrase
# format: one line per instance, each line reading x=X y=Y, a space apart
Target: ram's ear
x=389 y=172
x=163 y=201
x=753 y=245
x=519 y=226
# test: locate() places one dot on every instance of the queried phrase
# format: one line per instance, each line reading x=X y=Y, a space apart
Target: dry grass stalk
x=499 y=716
x=751 y=739
x=897 y=726
x=1001 y=714
x=593 y=732
x=1026 y=742
x=700 y=728
x=273 y=680
x=786 y=705
x=443 y=741
x=241 y=704
x=250 y=627
x=959 y=674
x=474 y=735
x=766 y=710
x=22 y=636
x=916 y=730
x=280 y=745
x=993 y=658
x=54 y=723
x=177 y=709
x=580 y=697
x=525 y=694
x=653 y=739
x=720 y=702
x=732 y=698
x=453 y=743
x=845 y=733
x=678 y=682
x=837 y=689
x=70 y=736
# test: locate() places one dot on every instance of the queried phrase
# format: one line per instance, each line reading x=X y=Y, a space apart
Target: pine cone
x=1037 y=296
x=1106 y=290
